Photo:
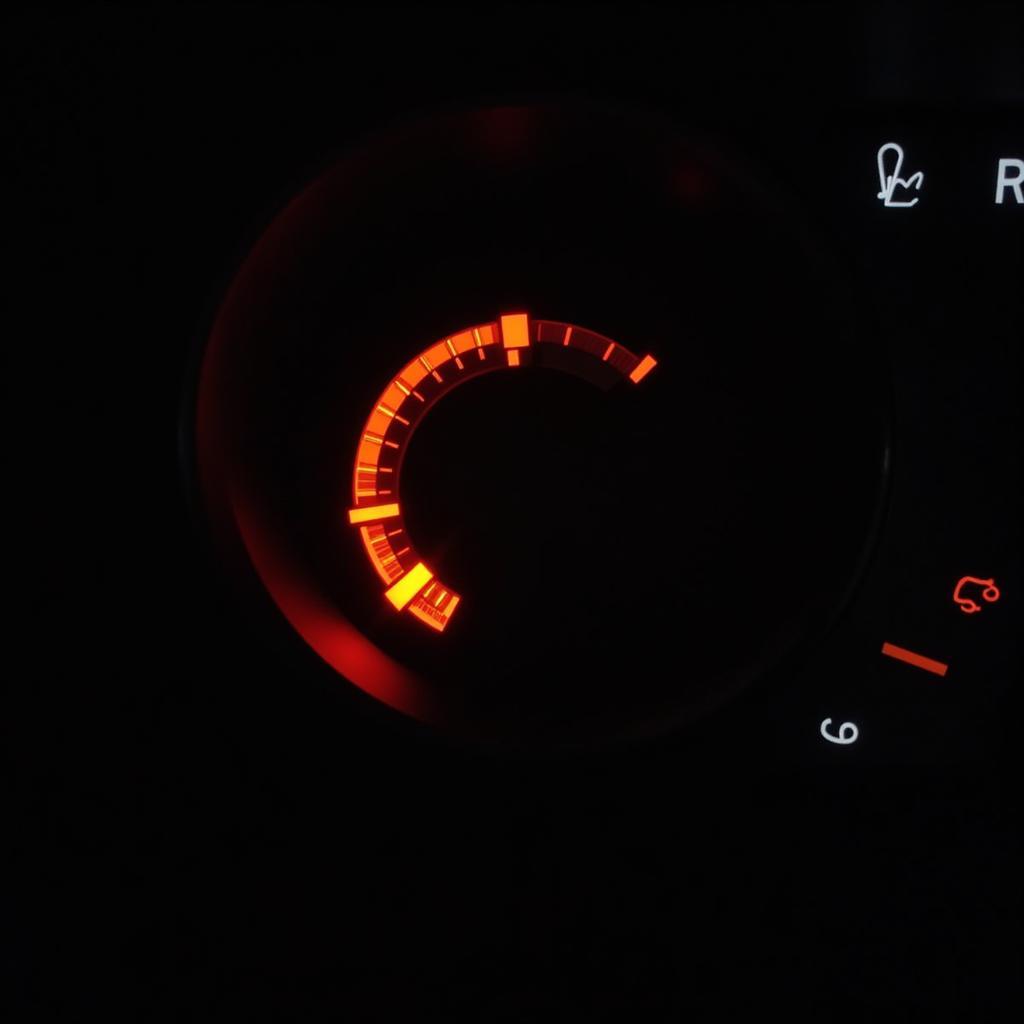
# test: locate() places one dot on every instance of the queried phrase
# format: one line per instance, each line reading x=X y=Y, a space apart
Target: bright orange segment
x=402 y=592
x=513 y=358
x=366 y=480
x=394 y=396
x=462 y=342
x=515 y=330
x=437 y=354
x=371 y=513
x=368 y=457
x=643 y=368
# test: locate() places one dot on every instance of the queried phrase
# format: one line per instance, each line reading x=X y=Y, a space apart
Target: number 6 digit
x=847 y=734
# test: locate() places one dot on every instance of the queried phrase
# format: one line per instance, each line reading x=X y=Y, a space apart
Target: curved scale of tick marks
x=511 y=341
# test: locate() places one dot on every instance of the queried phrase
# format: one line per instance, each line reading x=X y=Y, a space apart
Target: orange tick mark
x=643 y=368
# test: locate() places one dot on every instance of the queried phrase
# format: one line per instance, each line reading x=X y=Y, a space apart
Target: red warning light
x=989 y=593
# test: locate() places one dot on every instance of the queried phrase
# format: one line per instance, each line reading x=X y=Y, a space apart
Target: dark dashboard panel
x=210 y=819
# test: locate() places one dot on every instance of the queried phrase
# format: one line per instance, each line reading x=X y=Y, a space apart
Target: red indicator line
x=917 y=660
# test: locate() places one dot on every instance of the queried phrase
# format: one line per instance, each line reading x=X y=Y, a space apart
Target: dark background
x=197 y=829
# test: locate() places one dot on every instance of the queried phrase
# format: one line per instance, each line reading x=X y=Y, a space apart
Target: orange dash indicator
x=515 y=330
x=371 y=513
x=513 y=358
x=643 y=368
x=917 y=660
x=402 y=592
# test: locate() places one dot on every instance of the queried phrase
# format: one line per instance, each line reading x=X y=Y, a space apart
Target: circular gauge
x=376 y=478
x=543 y=424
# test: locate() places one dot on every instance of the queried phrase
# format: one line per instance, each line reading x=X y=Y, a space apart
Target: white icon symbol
x=889 y=182
x=847 y=734
x=1010 y=178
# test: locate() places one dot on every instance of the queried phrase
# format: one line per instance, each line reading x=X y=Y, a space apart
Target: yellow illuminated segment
x=371 y=513
x=643 y=368
x=402 y=592
x=515 y=330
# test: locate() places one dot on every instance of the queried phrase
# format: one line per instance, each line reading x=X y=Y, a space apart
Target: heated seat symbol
x=891 y=154
x=989 y=592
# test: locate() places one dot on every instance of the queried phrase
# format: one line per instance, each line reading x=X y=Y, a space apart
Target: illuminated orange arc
x=410 y=585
